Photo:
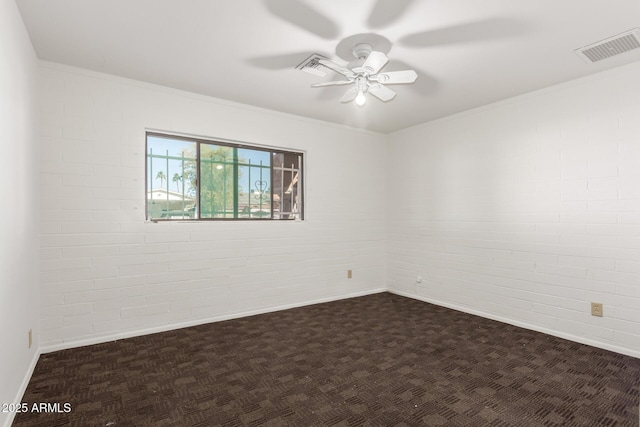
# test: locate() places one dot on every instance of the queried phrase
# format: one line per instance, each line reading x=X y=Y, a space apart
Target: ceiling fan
x=365 y=76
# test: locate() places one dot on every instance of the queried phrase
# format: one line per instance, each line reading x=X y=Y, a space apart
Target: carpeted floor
x=378 y=360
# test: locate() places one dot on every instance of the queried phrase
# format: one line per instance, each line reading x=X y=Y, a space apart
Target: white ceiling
x=467 y=52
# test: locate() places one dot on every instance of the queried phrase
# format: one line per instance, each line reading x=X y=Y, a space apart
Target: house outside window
x=197 y=179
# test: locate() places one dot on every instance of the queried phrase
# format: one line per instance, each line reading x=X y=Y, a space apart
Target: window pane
x=217 y=180
x=254 y=183
x=171 y=178
x=287 y=186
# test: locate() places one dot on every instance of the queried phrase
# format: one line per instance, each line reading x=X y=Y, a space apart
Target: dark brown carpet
x=377 y=360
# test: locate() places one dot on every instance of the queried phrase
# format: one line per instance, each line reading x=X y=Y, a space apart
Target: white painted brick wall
x=106 y=273
x=527 y=210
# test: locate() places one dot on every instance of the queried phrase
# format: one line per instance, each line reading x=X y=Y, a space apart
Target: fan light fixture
x=361 y=99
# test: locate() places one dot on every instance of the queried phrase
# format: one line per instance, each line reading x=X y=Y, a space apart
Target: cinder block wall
x=527 y=210
x=106 y=273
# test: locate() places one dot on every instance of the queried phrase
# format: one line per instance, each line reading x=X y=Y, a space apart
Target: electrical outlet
x=596 y=309
x=30 y=337
x=349 y=274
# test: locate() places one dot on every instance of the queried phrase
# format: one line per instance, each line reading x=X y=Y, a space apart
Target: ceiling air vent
x=612 y=46
x=312 y=66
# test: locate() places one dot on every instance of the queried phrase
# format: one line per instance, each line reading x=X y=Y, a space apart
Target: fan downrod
x=362 y=50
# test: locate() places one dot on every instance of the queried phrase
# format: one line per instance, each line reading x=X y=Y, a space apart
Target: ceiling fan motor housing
x=362 y=84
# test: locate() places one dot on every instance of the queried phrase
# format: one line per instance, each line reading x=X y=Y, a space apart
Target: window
x=190 y=178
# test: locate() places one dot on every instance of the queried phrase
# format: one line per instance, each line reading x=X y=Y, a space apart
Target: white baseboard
x=525 y=325
x=23 y=386
x=139 y=332
x=464 y=309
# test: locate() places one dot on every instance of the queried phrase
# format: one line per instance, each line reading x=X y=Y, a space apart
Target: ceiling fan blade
x=425 y=85
x=381 y=92
x=303 y=16
x=397 y=77
x=374 y=62
x=385 y=12
x=337 y=68
x=334 y=83
x=350 y=95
